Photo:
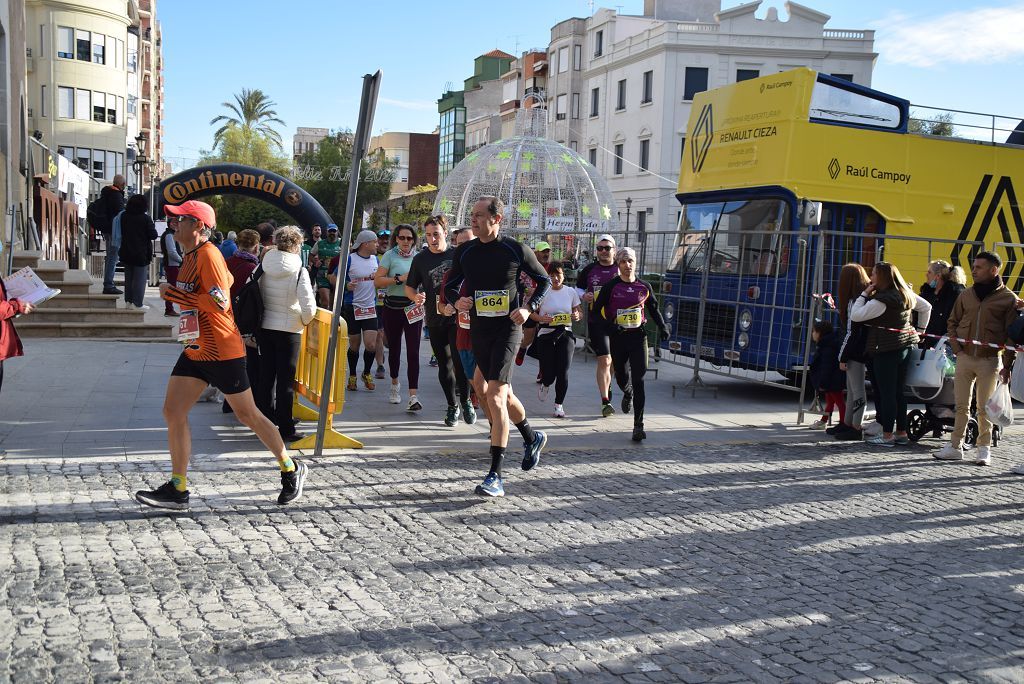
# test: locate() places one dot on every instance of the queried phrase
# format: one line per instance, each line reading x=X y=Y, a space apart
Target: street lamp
x=629 y=204
x=140 y=159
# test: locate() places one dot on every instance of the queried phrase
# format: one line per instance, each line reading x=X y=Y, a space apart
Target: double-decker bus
x=787 y=177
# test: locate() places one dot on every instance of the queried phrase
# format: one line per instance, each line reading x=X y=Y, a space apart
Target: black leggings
x=554 y=351
x=279 y=356
x=395 y=326
x=629 y=364
x=450 y=372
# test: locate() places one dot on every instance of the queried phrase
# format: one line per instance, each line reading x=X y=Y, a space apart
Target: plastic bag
x=945 y=361
x=1000 y=406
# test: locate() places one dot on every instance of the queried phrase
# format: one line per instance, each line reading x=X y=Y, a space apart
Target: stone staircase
x=77 y=312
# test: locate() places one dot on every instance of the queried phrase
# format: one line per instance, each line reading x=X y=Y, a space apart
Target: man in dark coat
x=112 y=198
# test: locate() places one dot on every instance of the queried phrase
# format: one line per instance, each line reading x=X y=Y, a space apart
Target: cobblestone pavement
x=800 y=562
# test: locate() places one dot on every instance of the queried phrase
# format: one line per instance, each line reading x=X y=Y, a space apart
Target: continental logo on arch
x=179 y=191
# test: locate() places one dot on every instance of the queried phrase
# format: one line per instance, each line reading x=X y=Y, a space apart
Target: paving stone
x=766 y=561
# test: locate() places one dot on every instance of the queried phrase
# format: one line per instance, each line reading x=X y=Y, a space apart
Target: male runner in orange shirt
x=214 y=355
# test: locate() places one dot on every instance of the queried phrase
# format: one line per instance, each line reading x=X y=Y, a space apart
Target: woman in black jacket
x=137 y=235
x=945 y=283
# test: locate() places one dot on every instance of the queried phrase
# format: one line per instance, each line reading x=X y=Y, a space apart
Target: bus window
x=744 y=238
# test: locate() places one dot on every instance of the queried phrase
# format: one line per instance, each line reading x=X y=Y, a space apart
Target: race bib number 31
x=491 y=303
x=629 y=318
x=364 y=313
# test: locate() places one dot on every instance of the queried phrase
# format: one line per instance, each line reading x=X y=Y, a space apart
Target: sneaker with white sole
x=984 y=456
x=395 y=396
x=819 y=424
x=542 y=392
x=559 y=412
x=880 y=440
x=414 y=403
x=949 y=453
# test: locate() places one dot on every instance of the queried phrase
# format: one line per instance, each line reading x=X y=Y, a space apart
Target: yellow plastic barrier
x=309 y=377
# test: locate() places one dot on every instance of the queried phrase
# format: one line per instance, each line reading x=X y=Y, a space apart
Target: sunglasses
x=178 y=219
x=405 y=237
x=604 y=248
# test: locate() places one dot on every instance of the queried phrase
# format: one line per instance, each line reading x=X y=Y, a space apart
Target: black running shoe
x=164 y=496
x=451 y=417
x=849 y=435
x=291 y=483
x=638 y=433
x=627 y=400
x=532 y=457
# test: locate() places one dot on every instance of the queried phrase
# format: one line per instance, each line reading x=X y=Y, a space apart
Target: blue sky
x=309 y=57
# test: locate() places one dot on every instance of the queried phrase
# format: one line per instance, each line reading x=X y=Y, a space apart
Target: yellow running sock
x=179 y=482
x=286 y=463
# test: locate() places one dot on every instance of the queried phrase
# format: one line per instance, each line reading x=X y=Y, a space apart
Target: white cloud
x=978 y=36
x=416 y=105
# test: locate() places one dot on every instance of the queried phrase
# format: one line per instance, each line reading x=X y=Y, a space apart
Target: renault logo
x=702 y=137
x=833 y=168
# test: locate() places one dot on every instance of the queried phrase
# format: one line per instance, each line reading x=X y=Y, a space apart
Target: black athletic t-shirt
x=495 y=267
x=427 y=272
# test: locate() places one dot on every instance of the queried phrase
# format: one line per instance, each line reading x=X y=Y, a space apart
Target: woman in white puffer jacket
x=288 y=307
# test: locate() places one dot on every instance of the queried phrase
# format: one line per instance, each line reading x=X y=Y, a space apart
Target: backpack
x=248 y=305
x=96 y=215
x=1016 y=331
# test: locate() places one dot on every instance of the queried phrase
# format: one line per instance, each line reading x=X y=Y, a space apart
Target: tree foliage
x=324 y=174
x=253 y=113
x=240 y=145
x=941 y=124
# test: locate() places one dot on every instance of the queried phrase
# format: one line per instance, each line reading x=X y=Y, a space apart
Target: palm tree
x=253 y=113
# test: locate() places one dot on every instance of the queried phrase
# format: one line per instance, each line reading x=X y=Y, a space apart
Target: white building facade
x=639 y=75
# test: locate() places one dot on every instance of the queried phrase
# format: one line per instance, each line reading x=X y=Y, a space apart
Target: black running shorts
x=495 y=350
x=227 y=376
x=597 y=334
x=355 y=327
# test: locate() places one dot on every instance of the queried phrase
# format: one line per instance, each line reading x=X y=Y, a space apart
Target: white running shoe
x=144 y=307
x=1018 y=469
x=414 y=403
x=819 y=424
x=949 y=453
x=559 y=412
x=395 y=397
x=542 y=392
x=984 y=456
x=871 y=429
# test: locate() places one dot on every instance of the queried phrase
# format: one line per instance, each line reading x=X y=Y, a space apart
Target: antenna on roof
x=448 y=85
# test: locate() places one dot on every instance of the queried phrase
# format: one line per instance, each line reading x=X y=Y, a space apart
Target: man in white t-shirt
x=359 y=306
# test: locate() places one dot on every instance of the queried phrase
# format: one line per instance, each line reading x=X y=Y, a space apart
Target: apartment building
x=414 y=156
x=95 y=83
x=622 y=86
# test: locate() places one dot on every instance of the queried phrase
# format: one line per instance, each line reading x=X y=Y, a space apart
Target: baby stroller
x=939 y=414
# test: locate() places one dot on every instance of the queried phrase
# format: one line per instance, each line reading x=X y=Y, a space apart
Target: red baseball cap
x=200 y=210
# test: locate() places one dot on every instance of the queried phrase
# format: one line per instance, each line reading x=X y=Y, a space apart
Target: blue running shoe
x=532 y=457
x=491 y=486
